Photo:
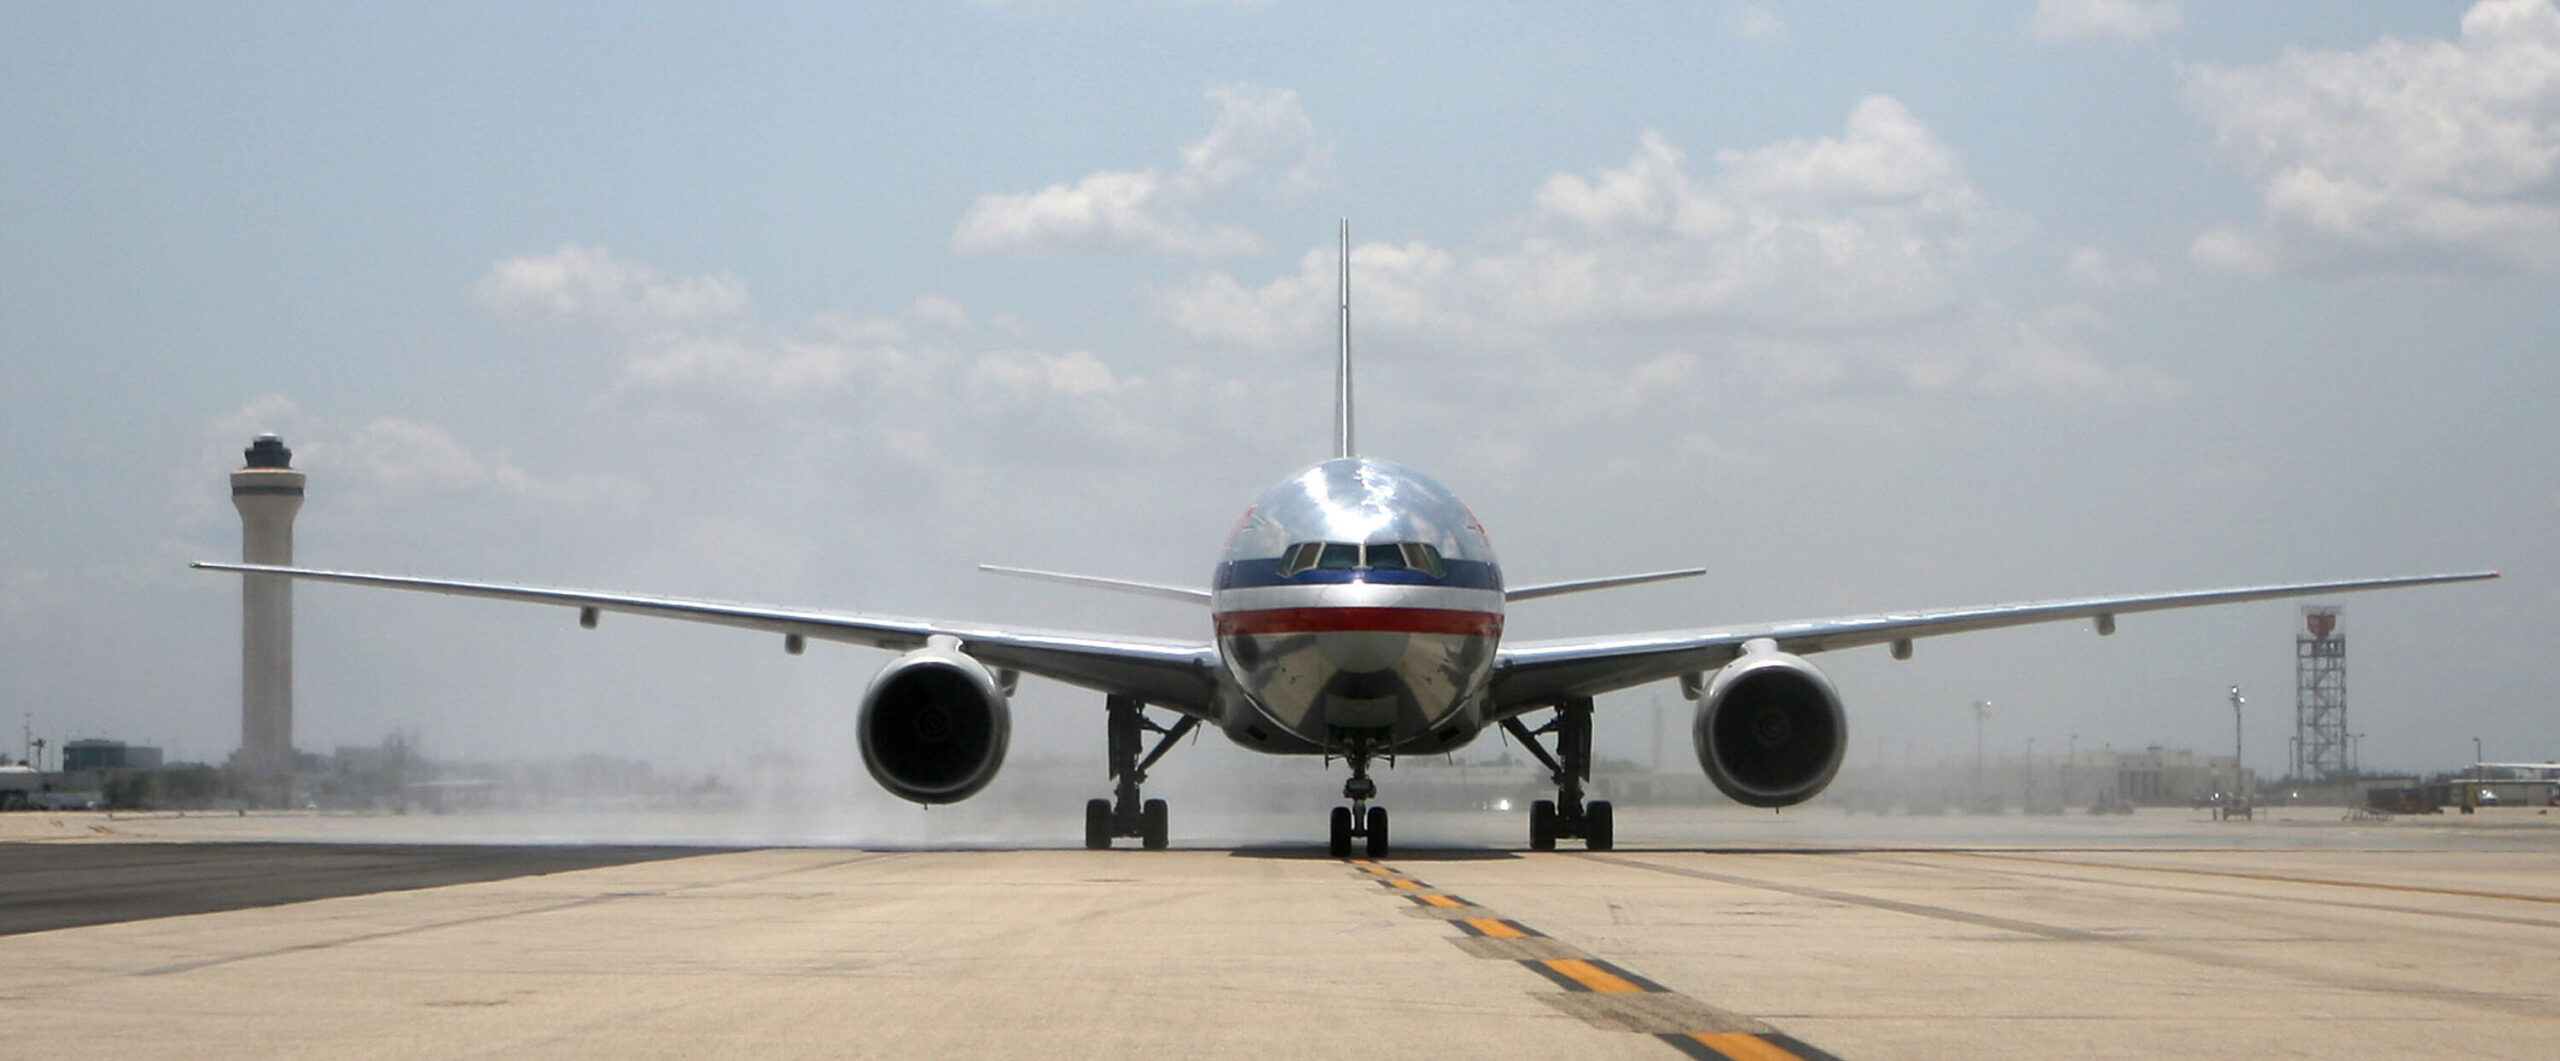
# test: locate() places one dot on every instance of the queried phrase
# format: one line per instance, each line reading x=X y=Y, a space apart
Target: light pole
x=2239 y=777
x=2477 y=756
x=2027 y=778
x=1981 y=715
x=2070 y=766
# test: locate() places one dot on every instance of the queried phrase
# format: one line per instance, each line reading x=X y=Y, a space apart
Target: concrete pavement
x=2156 y=938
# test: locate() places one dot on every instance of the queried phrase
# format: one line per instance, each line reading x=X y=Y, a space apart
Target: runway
x=1852 y=938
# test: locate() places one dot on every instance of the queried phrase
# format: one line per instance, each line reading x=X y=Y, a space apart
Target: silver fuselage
x=1358 y=600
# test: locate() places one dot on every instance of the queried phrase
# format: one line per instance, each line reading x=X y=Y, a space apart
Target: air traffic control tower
x=268 y=493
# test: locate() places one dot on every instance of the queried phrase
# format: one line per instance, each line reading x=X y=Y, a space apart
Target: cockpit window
x=1421 y=557
x=1299 y=558
x=1345 y=556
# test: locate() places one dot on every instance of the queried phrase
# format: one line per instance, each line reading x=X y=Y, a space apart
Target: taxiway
x=2161 y=935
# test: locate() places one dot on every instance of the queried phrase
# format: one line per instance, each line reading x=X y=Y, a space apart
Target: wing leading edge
x=1534 y=674
x=1177 y=675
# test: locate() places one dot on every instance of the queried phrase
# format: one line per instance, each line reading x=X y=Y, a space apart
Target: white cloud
x=1406 y=286
x=1262 y=143
x=888 y=381
x=2133 y=20
x=1115 y=210
x=581 y=283
x=1877 y=222
x=384 y=461
x=1076 y=373
x=2408 y=154
x=1757 y=23
x=1261 y=134
x=1844 y=261
x=2096 y=270
x=699 y=330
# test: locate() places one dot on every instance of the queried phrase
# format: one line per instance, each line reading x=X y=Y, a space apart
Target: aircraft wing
x=1534 y=674
x=1176 y=675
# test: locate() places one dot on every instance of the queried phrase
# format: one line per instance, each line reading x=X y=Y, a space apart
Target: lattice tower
x=2320 y=745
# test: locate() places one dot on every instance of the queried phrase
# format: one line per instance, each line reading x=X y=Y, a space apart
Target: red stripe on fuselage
x=1359 y=620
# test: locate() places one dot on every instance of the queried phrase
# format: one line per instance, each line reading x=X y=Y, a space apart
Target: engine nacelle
x=1770 y=731
x=934 y=725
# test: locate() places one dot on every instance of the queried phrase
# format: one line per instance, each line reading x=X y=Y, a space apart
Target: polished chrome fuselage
x=1393 y=653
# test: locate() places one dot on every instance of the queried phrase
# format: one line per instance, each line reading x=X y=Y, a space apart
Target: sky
x=1860 y=306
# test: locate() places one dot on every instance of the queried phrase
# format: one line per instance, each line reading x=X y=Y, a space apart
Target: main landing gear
x=1359 y=819
x=1124 y=814
x=1567 y=816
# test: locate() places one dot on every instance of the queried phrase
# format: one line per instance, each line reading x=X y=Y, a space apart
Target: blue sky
x=1860 y=306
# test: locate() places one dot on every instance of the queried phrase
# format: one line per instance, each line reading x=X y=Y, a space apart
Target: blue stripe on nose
x=1462 y=574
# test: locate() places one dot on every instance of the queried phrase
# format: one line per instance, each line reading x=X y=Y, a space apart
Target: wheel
x=1153 y=824
x=1097 y=824
x=1377 y=832
x=1341 y=846
x=1599 y=826
x=1542 y=825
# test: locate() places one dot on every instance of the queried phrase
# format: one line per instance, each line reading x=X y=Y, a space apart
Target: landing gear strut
x=1359 y=819
x=1567 y=816
x=1125 y=814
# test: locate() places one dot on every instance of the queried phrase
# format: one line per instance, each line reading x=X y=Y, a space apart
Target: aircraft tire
x=1542 y=825
x=1341 y=845
x=1599 y=826
x=1377 y=832
x=1154 y=825
x=1097 y=824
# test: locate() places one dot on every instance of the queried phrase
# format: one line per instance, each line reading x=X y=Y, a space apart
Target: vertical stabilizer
x=1342 y=446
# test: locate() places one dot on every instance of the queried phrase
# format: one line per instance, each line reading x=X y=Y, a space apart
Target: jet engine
x=1770 y=731
x=933 y=725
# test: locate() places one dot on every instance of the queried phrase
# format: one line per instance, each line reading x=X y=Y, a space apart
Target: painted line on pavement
x=1603 y=993
x=1592 y=974
x=1745 y=1046
x=1497 y=928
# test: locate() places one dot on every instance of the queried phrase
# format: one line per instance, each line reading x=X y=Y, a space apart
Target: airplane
x=1356 y=613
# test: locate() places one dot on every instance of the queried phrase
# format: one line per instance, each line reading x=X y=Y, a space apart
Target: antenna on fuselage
x=1342 y=446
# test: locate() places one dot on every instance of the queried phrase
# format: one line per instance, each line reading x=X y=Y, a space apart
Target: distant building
x=2157 y=776
x=108 y=755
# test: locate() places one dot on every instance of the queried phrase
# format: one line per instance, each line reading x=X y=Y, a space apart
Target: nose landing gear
x=1567 y=816
x=1359 y=820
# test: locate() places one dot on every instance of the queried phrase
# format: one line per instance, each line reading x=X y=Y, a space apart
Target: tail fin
x=1342 y=446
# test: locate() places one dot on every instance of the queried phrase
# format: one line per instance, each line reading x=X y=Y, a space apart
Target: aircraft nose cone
x=1363 y=652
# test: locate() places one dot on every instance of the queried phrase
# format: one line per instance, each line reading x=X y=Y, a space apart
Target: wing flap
x=1188 y=594
x=1177 y=675
x=1557 y=589
x=1532 y=674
